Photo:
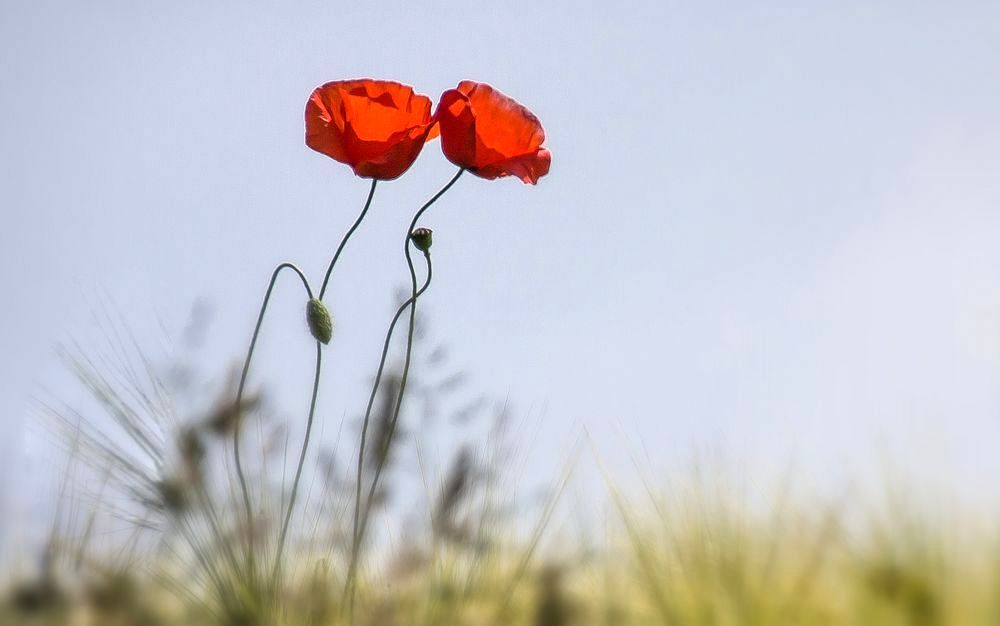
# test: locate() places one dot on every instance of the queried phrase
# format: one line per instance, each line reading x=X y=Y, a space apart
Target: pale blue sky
x=769 y=226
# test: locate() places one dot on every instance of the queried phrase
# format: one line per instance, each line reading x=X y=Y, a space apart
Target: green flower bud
x=320 y=322
x=422 y=238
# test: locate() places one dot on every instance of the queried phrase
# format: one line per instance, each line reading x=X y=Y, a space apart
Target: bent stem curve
x=315 y=392
x=360 y=522
x=248 y=505
x=343 y=242
x=243 y=381
x=355 y=546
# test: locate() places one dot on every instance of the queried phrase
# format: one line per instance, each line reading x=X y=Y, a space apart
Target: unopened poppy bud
x=320 y=322
x=422 y=239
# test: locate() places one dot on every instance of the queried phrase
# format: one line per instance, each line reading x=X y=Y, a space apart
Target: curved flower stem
x=360 y=521
x=246 y=369
x=343 y=242
x=243 y=381
x=315 y=391
x=355 y=547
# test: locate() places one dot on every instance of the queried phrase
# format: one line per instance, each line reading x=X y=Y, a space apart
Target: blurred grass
x=149 y=530
x=692 y=560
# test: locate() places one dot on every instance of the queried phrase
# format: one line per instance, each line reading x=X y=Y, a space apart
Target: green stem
x=302 y=458
x=315 y=390
x=355 y=546
x=360 y=522
x=343 y=242
x=246 y=369
x=243 y=381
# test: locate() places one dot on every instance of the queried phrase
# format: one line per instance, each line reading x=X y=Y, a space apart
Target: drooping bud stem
x=320 y=322
x=422 y=238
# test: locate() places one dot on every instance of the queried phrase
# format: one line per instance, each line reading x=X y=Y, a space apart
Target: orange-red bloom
x=376 y=126
x=490 y=134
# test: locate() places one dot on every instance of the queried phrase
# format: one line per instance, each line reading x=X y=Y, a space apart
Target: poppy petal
x=491 y=134
x=376 y=127
x=528 y=167
x=458 y=129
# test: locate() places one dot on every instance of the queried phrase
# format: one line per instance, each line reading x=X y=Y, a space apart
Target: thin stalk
x=343 y=242
x=246 y=369
x=355 y=547
x=302 y=459
x=409 y=343
x=359 y=521
x=243 y=381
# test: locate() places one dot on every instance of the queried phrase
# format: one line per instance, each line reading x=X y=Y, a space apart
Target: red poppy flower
x=376 y=126
x=490 y=134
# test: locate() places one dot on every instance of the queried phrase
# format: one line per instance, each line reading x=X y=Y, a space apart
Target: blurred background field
x=147 y=526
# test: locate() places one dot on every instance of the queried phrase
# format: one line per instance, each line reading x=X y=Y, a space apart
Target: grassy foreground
x=152 y=529
x=692 y=560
